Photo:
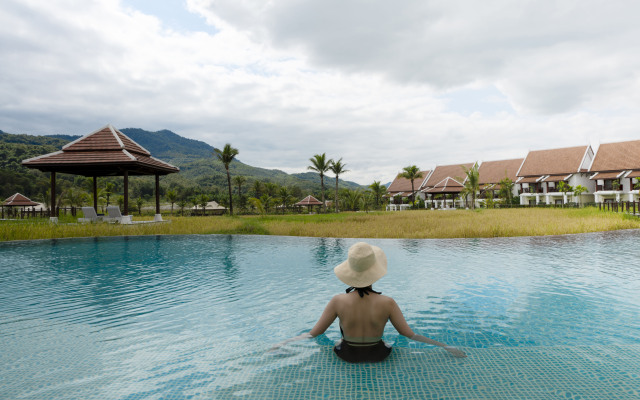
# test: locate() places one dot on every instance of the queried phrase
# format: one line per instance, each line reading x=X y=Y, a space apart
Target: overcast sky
x=381 y=84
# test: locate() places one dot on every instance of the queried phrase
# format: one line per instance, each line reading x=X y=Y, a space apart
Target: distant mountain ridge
x=195 y=159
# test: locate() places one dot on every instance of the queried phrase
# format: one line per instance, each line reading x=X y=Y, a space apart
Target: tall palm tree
x=471 y=183
x=226 y=156
x=412 y=173
x=337 y=167
x=320 y=164
x=378 y=190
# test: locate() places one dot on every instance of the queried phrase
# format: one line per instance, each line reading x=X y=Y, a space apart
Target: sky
x=380 y=84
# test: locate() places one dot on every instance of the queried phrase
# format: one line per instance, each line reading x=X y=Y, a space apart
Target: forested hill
x=199 y=168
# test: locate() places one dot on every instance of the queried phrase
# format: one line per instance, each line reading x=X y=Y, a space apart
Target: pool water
x=194 y=317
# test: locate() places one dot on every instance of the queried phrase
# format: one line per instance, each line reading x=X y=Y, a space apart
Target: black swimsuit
x=357 y=352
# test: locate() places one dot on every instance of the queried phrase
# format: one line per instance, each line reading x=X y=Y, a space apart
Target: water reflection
x=193 y=315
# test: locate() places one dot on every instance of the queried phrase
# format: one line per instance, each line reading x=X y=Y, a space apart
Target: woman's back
x=363 y=318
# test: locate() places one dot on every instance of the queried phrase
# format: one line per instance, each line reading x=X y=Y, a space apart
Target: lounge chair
x=90 y=215
x=116 y=216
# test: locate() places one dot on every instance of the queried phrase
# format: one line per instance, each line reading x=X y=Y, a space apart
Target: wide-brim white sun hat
x=365 y=265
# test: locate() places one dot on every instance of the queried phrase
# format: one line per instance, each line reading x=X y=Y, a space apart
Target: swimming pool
x=192 y=317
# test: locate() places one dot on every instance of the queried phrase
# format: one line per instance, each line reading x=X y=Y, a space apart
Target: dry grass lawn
x=418 y=224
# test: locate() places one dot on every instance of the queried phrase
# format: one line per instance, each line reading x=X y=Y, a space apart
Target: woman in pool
x=363 y=312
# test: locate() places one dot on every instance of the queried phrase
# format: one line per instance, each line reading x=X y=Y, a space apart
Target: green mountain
x=200 y=171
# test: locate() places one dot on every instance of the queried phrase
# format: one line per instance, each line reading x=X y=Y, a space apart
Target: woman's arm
x=329 y=315
x=326 y=319
x=397 y=319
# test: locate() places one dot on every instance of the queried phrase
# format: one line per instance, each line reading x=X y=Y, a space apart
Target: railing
x=16 y=213
x=632 y=207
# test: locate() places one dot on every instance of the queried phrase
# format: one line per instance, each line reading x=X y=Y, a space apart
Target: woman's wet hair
x=362 y=290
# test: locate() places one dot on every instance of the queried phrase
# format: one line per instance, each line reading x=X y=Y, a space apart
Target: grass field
x=418 y=224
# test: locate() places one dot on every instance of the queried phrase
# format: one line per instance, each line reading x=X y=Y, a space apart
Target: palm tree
x=239 y=181
x=471 y=183
x=226 y=156
x=577 y=192
x=506 y=190
x=271 y=188
x=354 y=200
x=172 y=197
x=564 y=187
x=320 y=164
x=257 y=189
x=108 y=191
x=337 y=167
x=182 y=203
x=285 y=197
x=378 y=190
x=139 y=204
x=412 y=173
x=203 y=199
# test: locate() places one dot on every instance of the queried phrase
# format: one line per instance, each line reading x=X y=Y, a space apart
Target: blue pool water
x=193 y=317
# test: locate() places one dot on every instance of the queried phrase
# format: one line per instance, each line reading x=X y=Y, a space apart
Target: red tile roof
x=104 y=152
x=447 y=185
x=18 y=200
x=634 y=174
x=606 y=175
x=443 y=171
x=495 y=171
x=404 y=185
x=617 y=156
x=553 y=162
x=556 y=178
x=309 y=201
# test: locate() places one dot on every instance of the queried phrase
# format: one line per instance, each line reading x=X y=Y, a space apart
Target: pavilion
x=309 y=201
x=18 y=200
x=105 y=152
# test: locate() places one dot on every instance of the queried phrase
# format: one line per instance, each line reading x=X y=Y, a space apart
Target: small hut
x=309 y=201
x=105 y=152
x=18 y=200
x=212 y=208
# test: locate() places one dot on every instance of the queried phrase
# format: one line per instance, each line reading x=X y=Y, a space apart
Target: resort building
x=443 y=186
x=542 y=172
x=400 y=188
x=491 y=173
x=616 y=171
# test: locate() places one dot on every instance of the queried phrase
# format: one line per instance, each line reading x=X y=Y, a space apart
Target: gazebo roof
x=105 y=152
x=18 y=200
x=309 y=201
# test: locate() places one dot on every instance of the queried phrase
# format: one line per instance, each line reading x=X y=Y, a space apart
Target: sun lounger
x=90 y=215
x=114 y=215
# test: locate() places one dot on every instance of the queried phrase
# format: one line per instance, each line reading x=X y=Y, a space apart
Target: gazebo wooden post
x=126 y=193
x=158 y=216
x=95 y=193
x=53 y=216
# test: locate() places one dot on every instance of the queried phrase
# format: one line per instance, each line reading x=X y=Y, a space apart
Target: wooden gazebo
x=105 y=152
x=18 y=200
x=309 y=201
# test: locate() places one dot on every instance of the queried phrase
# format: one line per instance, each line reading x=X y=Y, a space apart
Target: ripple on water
x=150 y=317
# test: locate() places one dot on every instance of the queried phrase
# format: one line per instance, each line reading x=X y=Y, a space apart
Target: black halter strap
x=362 y=290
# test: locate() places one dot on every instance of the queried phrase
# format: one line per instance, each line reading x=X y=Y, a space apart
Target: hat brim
x=366 y=278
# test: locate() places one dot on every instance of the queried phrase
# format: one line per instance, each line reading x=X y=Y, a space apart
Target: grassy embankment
x=420 y=224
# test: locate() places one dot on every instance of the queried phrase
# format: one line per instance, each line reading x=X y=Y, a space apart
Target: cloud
x=549 y=57
x=379 y=85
